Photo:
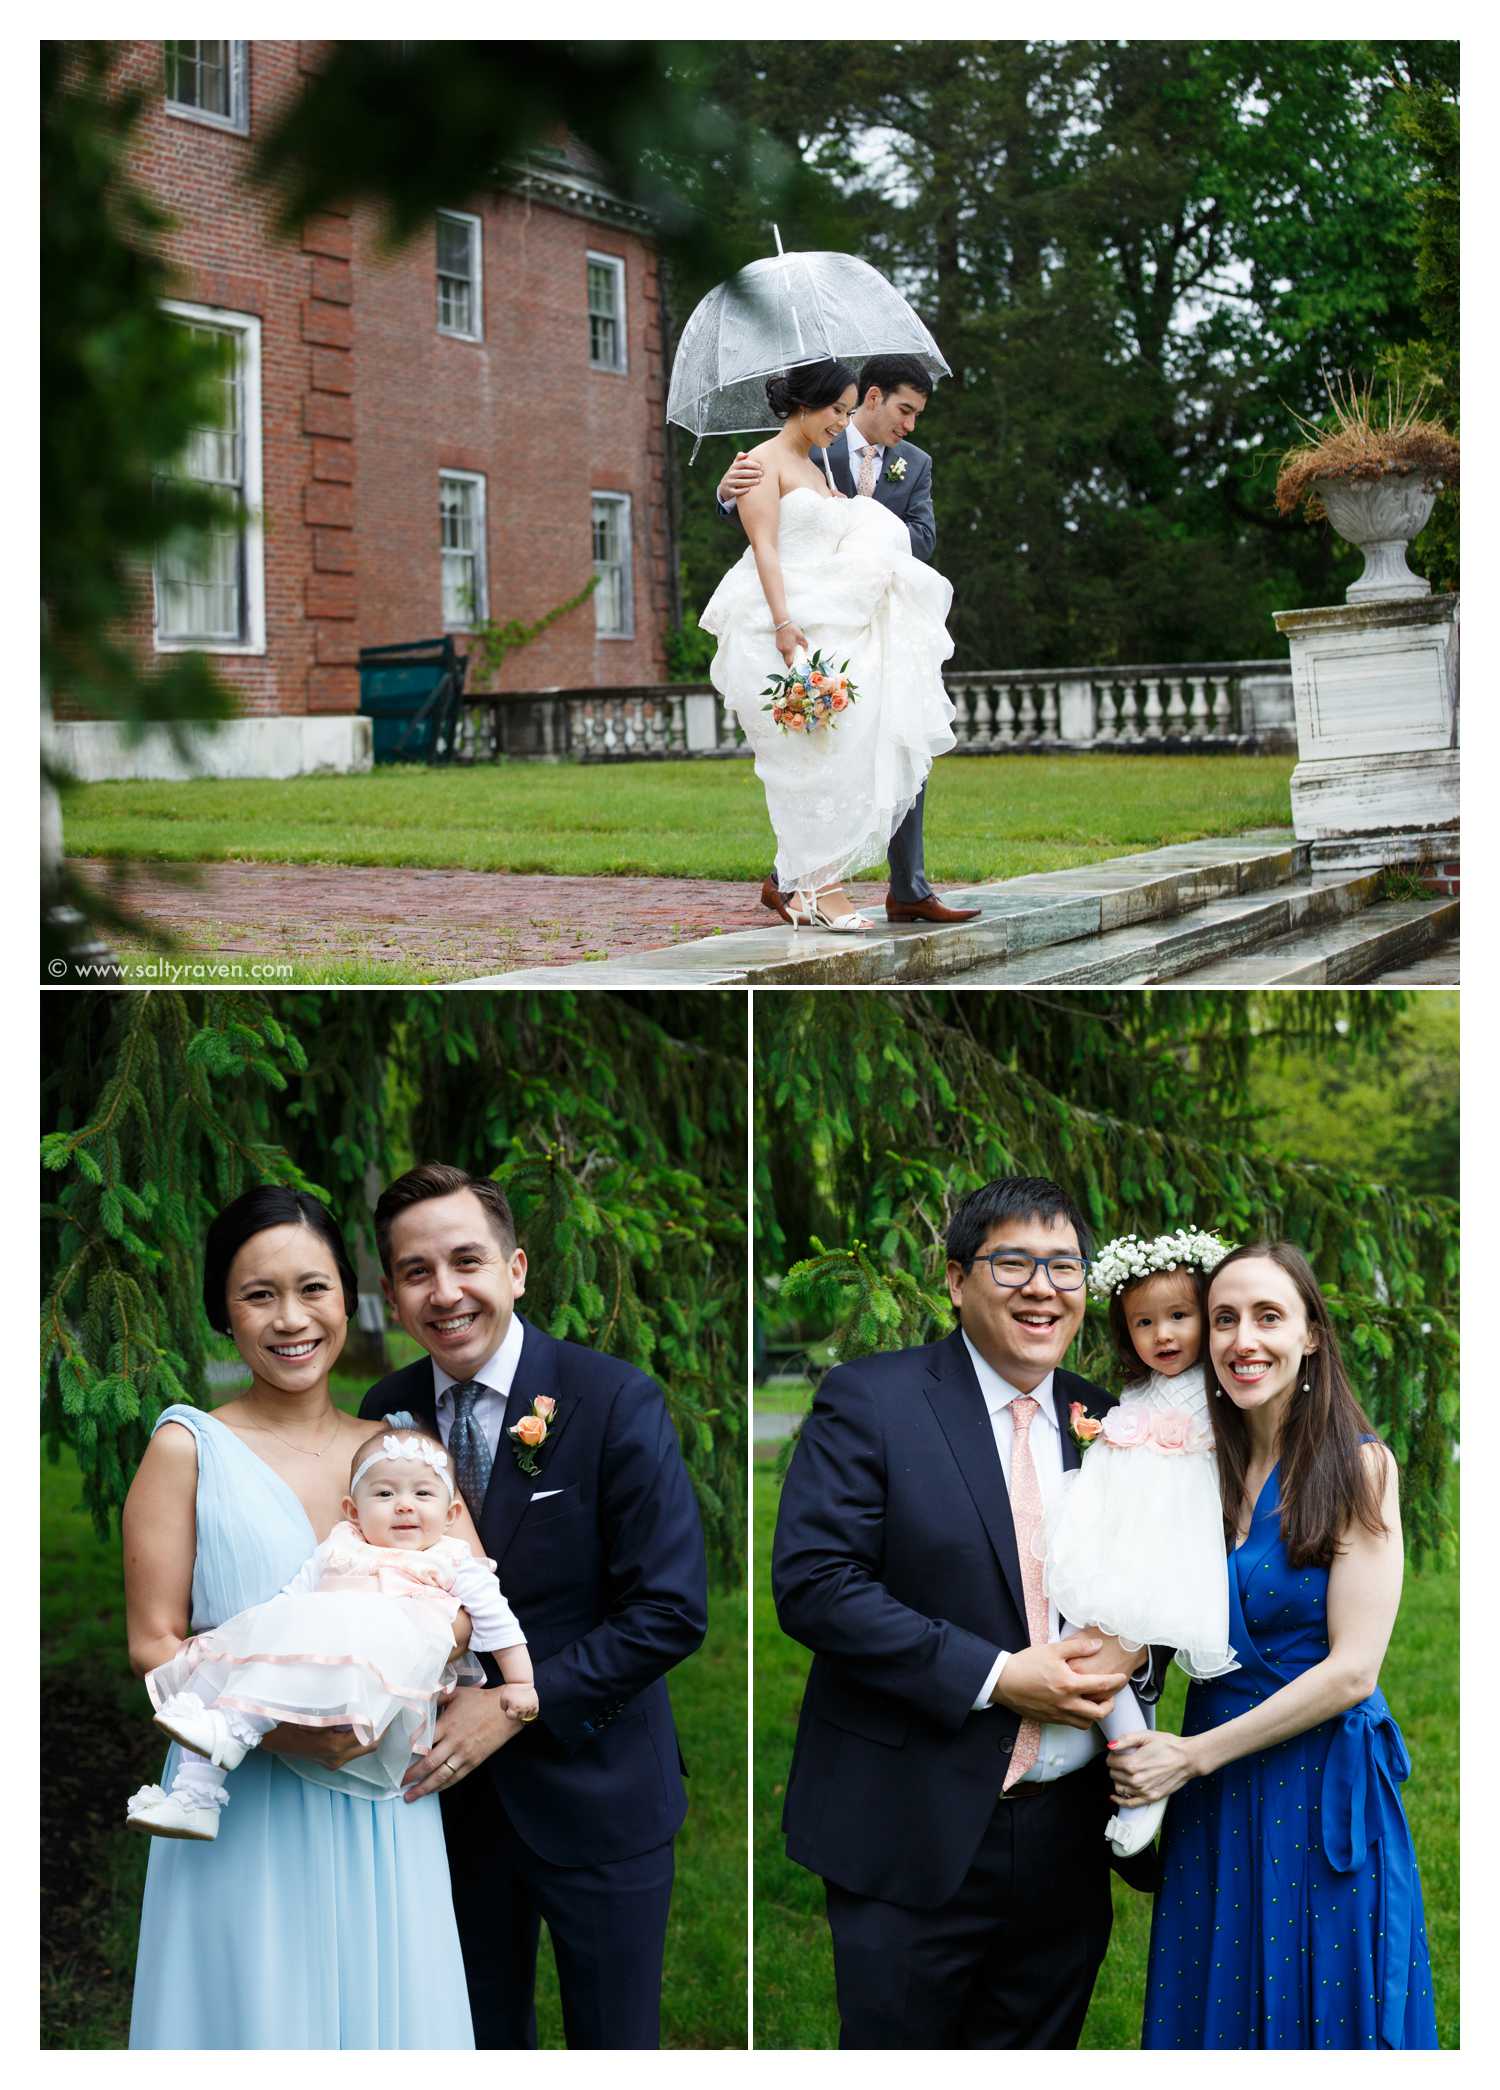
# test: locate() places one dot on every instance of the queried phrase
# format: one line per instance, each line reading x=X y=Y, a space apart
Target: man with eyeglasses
x=948 y=1782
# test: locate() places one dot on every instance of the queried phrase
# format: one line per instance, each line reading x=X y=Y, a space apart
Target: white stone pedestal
x=1376 y=688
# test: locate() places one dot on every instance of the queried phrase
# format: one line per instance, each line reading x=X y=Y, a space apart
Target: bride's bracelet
x=785 y=622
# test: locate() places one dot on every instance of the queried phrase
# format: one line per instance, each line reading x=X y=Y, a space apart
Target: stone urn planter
x=1381 y=517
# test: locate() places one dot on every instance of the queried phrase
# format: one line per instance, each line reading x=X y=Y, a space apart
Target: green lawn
x=92 y=1871
x=793 y=1963
x=986 y=819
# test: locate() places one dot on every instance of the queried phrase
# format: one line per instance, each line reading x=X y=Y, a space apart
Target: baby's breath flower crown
x=1127 y=1259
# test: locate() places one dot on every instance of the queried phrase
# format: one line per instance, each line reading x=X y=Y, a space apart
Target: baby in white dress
x=1135 y=1547
x=361 y=1638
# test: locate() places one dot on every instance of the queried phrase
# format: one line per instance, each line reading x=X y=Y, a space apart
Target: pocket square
x=545 y=1494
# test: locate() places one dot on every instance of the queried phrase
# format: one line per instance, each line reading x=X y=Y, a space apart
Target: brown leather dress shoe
x=771 y=896
x=929 y=910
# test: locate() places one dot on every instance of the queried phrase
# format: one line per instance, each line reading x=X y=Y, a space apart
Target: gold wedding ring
x=527 y=1718
x=452 y=1767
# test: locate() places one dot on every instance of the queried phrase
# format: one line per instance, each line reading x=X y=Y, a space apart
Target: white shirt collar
x=999 y=1393
x=858 y=443
x=497 y=1372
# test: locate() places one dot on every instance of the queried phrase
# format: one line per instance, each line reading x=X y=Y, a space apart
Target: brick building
x=469 y=428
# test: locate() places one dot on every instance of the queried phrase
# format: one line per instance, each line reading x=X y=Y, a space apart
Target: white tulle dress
x=1135 y=1543
x=836 y=797
x=361 y=1637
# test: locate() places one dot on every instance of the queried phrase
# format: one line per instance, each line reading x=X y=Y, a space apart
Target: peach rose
x=545 y=1406
x=796 y=723
x=818 y=681
x=840 y=701
x=1170 y=1431
x=1086 y=1427
x=530 y=1430
x=1126 y=1428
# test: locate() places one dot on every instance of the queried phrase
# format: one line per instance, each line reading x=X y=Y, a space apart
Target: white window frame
x=238 y=119
x=253 y=610
x=481 y=609
x=615 y=264
x=621 y=503
x=476 y=256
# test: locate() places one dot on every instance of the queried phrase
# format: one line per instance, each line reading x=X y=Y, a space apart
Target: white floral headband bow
x=1128 y=1259
x=421 y=1448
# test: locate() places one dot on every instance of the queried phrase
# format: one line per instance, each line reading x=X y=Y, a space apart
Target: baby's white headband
x=421 y=1448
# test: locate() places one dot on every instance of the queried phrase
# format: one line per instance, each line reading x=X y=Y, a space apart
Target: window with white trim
x=606 y=280
x=461 y=532
x=614 y=598
x=209 y=83
x=460 y=278
x=210 y=588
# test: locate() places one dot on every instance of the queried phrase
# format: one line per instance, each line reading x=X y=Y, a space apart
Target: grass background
x=793 y=1960
x=987 y=818
x=103 y=1745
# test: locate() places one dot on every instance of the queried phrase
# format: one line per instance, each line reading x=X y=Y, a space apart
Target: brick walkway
x=436 y=925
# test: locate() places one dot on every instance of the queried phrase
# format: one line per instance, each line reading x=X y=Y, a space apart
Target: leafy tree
x=615 y=1122
x=876 y=1113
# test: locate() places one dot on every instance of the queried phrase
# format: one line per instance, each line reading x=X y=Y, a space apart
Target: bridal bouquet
x=809 y=695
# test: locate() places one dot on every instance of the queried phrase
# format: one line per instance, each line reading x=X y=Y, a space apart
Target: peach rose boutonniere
x=530 y=1433
x=1083 y=1428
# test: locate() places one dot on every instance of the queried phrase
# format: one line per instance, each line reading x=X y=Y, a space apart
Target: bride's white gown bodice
x=836 y=798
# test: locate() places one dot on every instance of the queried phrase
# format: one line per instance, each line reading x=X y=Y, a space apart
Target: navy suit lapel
x=954 y=1396
x=510 y=1490
x=891 y=493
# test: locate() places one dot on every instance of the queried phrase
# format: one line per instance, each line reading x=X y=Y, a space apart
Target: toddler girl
x=361 y=1637
x=1136 y=1546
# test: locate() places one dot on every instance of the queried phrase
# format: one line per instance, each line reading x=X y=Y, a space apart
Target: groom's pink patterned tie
x=867 y=471
x=1026 y=1515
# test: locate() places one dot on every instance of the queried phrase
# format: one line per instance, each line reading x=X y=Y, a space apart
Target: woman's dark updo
x=808 y=384
x=254 y=1213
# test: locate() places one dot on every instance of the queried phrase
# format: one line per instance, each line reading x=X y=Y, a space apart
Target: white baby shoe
x=203 y=1729
x=157 y=1813
x=1130 y=1829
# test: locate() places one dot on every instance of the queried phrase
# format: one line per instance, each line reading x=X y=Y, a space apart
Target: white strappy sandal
x=808 y=914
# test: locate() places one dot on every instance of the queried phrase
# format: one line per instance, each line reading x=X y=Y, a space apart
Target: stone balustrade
x=1190 y=705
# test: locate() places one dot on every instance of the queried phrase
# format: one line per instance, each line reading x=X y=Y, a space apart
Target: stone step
x=1018 y=916
x=1181 y=944
x=1439 y=968
x=1361 y=949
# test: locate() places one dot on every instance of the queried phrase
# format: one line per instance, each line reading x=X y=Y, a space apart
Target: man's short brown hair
x=437 y=1179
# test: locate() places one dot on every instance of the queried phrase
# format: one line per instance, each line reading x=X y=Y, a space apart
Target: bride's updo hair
x=808 y=384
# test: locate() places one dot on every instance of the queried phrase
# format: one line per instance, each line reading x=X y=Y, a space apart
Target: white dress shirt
x=857 y=447
x=1062 y=1749
x=495 y=1375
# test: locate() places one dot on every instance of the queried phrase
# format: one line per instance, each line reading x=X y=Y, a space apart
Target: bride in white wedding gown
x=822 y=573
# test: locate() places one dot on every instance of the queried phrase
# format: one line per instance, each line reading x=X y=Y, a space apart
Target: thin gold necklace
x=298 y=1447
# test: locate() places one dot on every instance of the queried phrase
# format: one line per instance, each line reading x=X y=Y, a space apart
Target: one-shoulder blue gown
x=316 y=1919
x=1290 y=1911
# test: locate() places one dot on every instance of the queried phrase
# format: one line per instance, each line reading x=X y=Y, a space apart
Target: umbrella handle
x=828 y=471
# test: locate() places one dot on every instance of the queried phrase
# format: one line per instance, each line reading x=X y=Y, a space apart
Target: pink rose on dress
x=1126 y=1428
x=1170 y=1431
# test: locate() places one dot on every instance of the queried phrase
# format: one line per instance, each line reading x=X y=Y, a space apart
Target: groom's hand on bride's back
x=1041 y=1684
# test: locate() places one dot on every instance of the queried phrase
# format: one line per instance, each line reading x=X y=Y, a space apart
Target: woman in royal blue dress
x=1290 y=1911
x=317 y=1917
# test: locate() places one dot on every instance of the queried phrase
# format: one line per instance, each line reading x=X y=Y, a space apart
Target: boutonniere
x=530 y=1433
x=1083 y=1428
x=897 y=471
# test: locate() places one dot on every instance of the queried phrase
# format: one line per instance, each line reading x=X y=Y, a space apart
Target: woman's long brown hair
x=1326 y=1481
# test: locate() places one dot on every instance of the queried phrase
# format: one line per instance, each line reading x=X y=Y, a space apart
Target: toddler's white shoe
x=1130 y=1829
x=202 y=1728
x=157 y=1813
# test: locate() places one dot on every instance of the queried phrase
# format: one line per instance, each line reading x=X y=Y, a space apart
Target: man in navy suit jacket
x=892 y=392
x=600 y=1551
x=963 y=1915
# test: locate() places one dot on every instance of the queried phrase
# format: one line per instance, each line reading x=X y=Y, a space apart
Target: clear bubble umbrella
x=787 y=309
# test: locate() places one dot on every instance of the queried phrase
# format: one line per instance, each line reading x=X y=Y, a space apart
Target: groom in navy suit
x=569 y=1820
x=876 y=457
x=948 y=1782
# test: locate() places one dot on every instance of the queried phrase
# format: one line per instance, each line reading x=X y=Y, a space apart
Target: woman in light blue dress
x=315 y=1918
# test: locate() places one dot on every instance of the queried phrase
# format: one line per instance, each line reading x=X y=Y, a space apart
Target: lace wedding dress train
x=836 y=798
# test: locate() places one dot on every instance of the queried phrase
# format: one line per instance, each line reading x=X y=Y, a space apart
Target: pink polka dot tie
x=867 y=472
x=1026 y=1514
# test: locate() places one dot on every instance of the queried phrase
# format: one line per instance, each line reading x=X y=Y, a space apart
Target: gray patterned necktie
x=468 y=1447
